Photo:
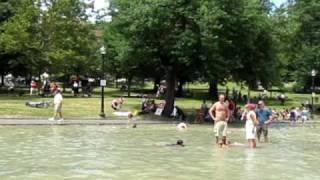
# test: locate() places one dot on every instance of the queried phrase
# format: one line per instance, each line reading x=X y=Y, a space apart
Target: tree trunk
x=142 y=84
x=213 y=90
x=227 y=93
x=117 y=84
x=249 y=98
x=66 y=80
x=39 y=82
x=180 y=88
x=28 y=79
x=129 y=85
x=170 y=92
x=156 y=83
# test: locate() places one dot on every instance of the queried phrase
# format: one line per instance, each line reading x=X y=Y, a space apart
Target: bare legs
x=252 y=143
x=222 y=142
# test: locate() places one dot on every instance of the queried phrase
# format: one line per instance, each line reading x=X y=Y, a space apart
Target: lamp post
x=313 y=74
x=102 y=81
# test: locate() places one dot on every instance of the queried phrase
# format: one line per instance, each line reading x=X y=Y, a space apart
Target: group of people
x=257 y=117
x=257 y=121
x=83 y=84
x=294 y=114
x=48 y=87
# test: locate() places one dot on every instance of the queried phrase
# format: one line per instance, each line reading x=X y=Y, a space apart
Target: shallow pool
x=106 y=152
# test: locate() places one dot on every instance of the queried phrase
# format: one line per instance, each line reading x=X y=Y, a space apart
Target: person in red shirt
x=33 y=86
x=53 y=87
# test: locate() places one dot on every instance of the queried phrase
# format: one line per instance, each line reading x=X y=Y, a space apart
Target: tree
x=21 y=35
x=71 y=42
x=57 y=38
x=6 y=11
x=164 y=31
x=237 y=43
x=305 y=43
x=259 y=63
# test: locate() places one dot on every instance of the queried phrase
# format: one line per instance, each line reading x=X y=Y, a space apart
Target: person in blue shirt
x=264 y=116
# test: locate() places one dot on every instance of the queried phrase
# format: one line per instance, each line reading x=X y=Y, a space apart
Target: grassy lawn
x=80 y=107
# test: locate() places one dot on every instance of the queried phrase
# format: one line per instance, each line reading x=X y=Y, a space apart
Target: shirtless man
x=116 y=103
x=219 y=112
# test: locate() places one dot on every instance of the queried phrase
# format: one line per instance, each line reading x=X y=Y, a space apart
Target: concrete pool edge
x=7 y=121
x=44 y=121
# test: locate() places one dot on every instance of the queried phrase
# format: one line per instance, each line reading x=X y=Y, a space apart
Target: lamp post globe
x=313 y=73
x=103 y=50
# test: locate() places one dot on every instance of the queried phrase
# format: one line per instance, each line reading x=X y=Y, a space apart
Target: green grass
x=79 y=107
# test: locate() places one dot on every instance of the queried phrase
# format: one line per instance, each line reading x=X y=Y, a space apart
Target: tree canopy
x=210 y=40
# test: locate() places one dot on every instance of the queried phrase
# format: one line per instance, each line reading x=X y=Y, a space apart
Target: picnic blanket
x=40 y=104
x=120 y=113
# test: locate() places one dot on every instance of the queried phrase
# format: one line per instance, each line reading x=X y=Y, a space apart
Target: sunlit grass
x=81 y=107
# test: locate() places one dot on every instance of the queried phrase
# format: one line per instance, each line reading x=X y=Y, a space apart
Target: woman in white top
x=251 y=122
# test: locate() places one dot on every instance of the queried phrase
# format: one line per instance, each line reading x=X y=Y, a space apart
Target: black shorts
x=114 y=108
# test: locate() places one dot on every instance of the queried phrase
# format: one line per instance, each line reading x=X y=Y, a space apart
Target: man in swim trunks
x=219 y=112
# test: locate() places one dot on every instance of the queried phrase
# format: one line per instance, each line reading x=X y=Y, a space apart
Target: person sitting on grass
x=178 y=113
x=117 y=103
x=148 y=105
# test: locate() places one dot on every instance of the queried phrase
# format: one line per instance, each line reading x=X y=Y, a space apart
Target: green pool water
x=106 y=152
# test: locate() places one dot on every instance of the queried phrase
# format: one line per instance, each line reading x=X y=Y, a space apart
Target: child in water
x=178 y=144
x=131 y=120
x=182 y=126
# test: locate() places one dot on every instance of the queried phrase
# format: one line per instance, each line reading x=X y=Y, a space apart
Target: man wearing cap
x=219 y=112
x=57 y=101
x=264 y=116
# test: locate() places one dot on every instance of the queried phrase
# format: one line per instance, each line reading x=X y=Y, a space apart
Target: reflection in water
x=103 y=152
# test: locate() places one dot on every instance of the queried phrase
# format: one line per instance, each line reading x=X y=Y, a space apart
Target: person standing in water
x=251 y=123
x=264 y=116
x=219 y=112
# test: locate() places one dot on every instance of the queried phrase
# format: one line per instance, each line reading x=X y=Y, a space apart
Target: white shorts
x=57 y=108
x=304 y=118
x=250 y=131
x=220 y=128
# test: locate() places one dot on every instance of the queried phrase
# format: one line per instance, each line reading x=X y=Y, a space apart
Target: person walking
x=57 y=101
x=219 y=112
x=264 y=116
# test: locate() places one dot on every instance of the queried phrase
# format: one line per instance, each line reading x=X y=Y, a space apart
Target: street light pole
x=102 y=81
x=313 y=74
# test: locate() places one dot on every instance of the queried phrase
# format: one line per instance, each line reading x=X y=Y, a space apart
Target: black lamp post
x=102 y=82
x=313 y=74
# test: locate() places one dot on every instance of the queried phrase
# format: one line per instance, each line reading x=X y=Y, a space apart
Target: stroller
x=42 y=104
